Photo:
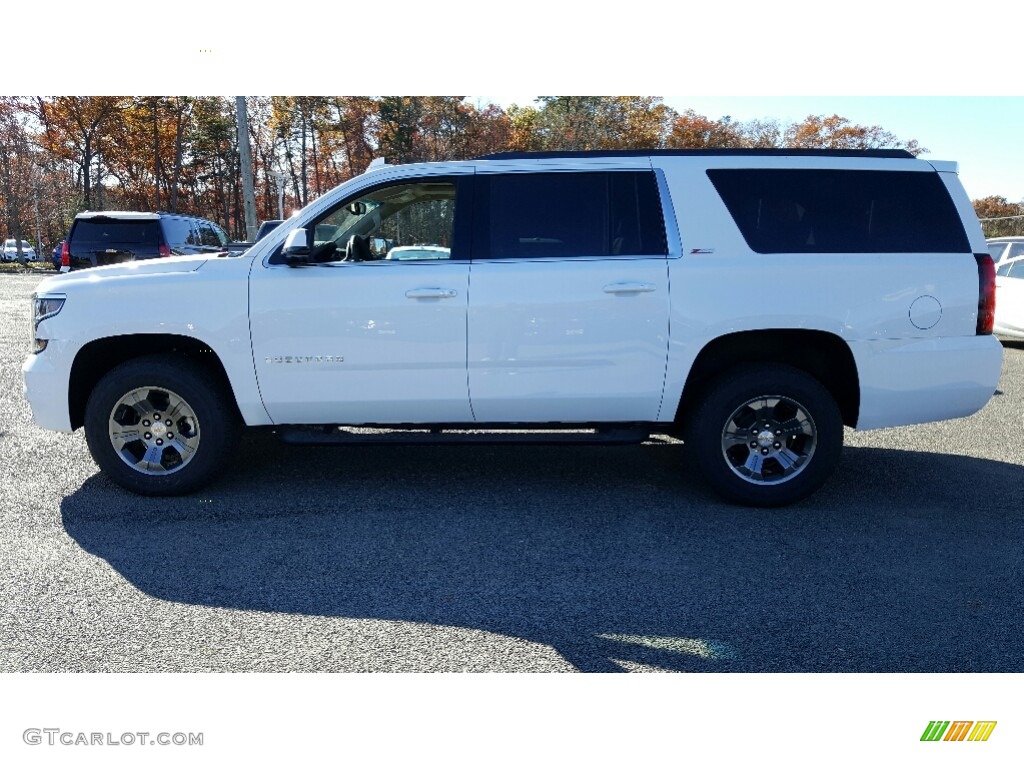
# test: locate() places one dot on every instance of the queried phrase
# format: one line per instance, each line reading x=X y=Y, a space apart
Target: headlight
x=43 y=306
x=46 y=305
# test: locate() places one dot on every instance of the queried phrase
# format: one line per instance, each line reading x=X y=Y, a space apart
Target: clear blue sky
x=985 y=134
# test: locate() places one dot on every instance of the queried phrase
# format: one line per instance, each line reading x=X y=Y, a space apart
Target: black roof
x=900 y=153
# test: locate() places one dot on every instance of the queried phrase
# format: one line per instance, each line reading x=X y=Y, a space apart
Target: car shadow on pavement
x=613 y=557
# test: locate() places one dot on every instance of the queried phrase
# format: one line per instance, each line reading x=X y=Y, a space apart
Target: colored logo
x=958 y=730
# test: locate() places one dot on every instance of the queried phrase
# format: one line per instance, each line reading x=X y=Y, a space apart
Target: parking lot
x=401 y=558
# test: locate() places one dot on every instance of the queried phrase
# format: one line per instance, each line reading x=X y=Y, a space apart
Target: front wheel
x=160 y=426
x=766 y=435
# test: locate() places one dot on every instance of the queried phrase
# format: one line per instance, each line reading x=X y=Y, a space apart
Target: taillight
x=165 y=249
x=65 y=255
x=986 y=293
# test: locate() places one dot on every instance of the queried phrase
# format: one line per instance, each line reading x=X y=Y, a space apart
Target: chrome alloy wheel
x=769 y=440
x=154 y=431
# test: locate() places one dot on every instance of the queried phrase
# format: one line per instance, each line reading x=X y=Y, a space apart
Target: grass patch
x=42 y=268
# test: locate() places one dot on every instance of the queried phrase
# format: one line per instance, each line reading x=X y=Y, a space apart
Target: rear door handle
x=431 y=293
x=629 y=288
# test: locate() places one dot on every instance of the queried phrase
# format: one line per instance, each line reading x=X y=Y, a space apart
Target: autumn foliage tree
x=1000 y=217
x=835 y=132
x=697 y=131
x=78 y=130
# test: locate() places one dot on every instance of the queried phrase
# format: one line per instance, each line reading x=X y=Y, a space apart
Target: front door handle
x=619 y=288
x=431 y=293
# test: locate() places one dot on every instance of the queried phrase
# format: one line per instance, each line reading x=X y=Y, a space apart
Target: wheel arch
x=101 y=355
x=823 y=355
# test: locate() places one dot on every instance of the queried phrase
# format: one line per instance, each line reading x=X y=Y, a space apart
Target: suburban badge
x=290 y=359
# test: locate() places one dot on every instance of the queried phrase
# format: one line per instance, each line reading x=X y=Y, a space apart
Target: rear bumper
x=918 y=381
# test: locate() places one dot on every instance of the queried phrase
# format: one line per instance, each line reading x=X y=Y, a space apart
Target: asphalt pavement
x=512 y=559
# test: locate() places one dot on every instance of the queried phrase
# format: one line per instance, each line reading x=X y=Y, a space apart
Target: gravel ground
x=400 y=558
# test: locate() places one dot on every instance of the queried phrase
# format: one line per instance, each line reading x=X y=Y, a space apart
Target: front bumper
x=45 y=387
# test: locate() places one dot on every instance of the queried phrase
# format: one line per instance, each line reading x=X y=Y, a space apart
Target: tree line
x=63 y=154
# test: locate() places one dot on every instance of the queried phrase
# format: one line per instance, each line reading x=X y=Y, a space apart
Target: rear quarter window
x=178 y=232
x=207 y=234
x=841 y=211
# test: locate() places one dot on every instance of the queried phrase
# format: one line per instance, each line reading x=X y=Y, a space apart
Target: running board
x=297 y=436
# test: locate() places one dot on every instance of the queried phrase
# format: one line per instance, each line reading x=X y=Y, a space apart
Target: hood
x=143 y=268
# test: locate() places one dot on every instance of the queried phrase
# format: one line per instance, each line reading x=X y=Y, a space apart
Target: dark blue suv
x=110 y=237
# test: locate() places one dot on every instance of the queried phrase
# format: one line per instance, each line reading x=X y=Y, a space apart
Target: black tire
x=765 y=435
x=198 y=407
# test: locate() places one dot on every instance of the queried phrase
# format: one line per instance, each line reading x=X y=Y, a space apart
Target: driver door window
x=412 y=221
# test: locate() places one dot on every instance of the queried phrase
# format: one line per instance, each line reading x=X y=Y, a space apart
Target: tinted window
x=222 y=237
x=1016 y=249
x=996 y=250
x=178 y=232
x=562 y=215
x=1004 y=269
x=117 y=232
x=206 y=234
x=830 y=211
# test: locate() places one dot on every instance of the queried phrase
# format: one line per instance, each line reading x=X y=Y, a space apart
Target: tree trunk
x=179 y=137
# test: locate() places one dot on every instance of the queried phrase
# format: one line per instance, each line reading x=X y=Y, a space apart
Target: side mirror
x=296 y=248
x=356 y=207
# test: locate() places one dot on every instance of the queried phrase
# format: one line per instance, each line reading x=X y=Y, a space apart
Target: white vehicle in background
x=1009 y=320
x=418 y=252
x=1005 y=248
x=11 y=251
x=752 y=302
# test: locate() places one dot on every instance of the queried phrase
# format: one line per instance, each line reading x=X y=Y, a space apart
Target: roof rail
x=892 y=153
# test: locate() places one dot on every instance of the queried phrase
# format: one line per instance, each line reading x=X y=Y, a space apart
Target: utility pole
x=248 y=191
x=280 y=176
x=39 y=229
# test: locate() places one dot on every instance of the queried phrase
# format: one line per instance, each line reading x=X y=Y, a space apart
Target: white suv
x=11 y=250
x=752 y=302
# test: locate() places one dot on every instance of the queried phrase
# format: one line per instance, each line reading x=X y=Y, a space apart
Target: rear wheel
x=766 y=435
x=160 y=426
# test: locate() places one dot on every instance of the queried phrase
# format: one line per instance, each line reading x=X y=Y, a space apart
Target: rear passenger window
x=835 y=211
x=568 y=215
x=178 y=232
